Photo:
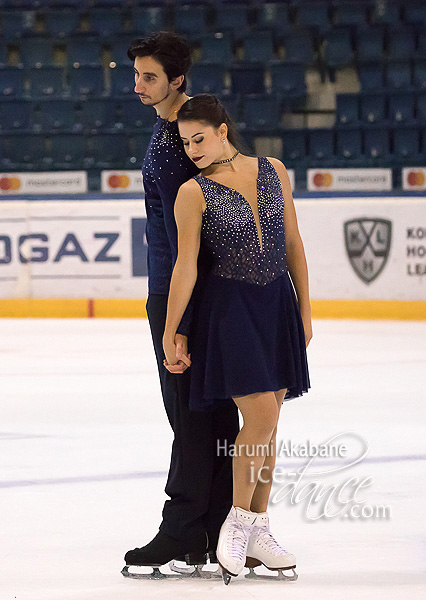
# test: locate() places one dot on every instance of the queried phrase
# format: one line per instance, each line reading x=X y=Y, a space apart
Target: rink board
x=77 y=258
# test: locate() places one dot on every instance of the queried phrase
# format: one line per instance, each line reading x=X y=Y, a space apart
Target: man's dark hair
x=169 y=49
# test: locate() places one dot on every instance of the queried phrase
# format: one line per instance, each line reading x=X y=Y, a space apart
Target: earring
x=223 y=140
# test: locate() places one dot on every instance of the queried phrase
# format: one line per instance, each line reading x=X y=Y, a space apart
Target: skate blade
x=279 y=577
x=226 y=575
x=196 y=572
x=156 y=574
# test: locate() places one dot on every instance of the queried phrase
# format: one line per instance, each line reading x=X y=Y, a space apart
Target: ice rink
x=85 y=447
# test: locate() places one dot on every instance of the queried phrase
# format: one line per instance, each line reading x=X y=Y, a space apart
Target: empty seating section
x=67 y=87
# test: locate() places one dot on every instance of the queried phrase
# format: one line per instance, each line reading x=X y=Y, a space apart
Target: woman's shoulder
x=277 y=164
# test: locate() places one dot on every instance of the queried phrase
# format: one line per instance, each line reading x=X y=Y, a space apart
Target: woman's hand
x=307 y=325
x=176 y=351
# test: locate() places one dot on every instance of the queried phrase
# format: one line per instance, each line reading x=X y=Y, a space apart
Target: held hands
x=176 y=351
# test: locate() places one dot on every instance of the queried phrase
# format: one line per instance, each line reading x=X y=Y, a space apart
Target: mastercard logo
x=118 y=181
x=9 y=184
x=323 y=179
x=416 y=178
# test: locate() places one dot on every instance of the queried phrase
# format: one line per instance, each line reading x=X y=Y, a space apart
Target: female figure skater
x=249 y=333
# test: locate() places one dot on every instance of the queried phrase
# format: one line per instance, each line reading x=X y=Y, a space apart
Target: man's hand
x=182 y=357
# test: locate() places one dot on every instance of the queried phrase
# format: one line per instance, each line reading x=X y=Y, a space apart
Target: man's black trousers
x=199 y=483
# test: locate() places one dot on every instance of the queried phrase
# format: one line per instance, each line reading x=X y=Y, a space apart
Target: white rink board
x=69 y=257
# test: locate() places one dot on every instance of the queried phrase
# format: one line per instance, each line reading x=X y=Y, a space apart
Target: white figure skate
x=233 y=540
x=263 y=549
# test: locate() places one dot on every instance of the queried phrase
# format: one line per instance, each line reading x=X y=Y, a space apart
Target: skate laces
x=237 y=540
x=270 y=541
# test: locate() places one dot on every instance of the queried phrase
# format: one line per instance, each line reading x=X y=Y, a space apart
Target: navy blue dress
x=247 y=333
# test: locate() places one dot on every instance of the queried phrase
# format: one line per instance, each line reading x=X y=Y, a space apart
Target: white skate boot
x=263 y=549
x=233 y=539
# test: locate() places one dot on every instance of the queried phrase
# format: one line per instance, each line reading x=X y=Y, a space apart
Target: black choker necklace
x=220 y=162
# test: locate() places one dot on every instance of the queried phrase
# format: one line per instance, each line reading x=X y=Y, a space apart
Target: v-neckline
x=245 y=200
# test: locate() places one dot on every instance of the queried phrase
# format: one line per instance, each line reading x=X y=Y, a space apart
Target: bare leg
x=260 y=413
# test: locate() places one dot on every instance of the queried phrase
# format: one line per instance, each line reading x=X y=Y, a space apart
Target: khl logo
x=368 y=244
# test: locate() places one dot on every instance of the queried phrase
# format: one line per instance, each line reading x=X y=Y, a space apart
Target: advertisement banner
x=121 y=182
x=58 y=182
x=414 y=178
x=358 y=180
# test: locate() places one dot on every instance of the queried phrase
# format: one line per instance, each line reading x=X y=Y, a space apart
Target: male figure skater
x=199 y=482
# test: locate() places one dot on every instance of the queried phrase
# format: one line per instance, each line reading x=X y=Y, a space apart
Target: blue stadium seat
x=3 y=54
x=79 y=4
x=376 y=144
x=398 y=75
x=122 y=80
x=373 y=108
x=36 y=52
x=16 y=23
x=261 y=114
x=207 y=78
x=86 y=81
x=16 y=115
x=370 y=77
x=419 y=74
x=293 y=145
x=232 y=18
x=57 y=115
x=258 y=47
x=232 y=104
x=134 y=115
x=338 y=48
x=11 y=81
x=350 y=14
x=348 y=145
x=26 y=151
x=247 y=79
x=299 y=47
x=148 y=19
x=216 y=48
x=385 y=13
x=421 y=45
x=83 y=51
x=109 y=3
x=68 y=151
x=273 y=16
x=97 y=114
x=347 y=109
x=288 y=79
x=46 y=81
x=119 y=49
x=406 y=143
x=401 y=44
x=401 y=107
x=369 y=44
x=191 y=20
x=313 y=15
x=138 y=147
x=105 y=22
x=62 y=24
x=421 y=107
x=415 y=12
x=109 y=151
x=321 y=144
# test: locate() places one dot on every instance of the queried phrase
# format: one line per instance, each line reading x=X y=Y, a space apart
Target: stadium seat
x=350 y=14
x=401 y=107
x=109 y=151
x=68 y=150
x=288 y=79
x=401 y=44
x=105 y=22
x=373 y=108
x=398 y=75
x=86 y=81
x=274 y=17
x=57 y=115
x=247 y=79
x=191 y=20
x=415 y=12
x=348 y=144
x=26 y=151
x=421 y=45
x=293 y=145
x=338 y=48
x=138 y=149
x=258 y=47
x=406 y=143
x=78 y=4
x=313 y=15
x=370 y=77
x=16 y=115
x=134 y=115
x=46 y=81
x=119 y=49
x=347 y=109
x=97 y=114
x=207 y=78
x=385 y=13
x=11 y=81
x=62 y=24
x=232 y=18
x=369 y=44
x=421 y=107
x=148 y=19
x=299 y=47
x=216 y=48
x=376 y=144
x=321 y=144
x=419 y=74
x=17 y=23
x=122 y=80
x=261 y=114
x=3 y=55
x=232 y=104
x=36 y=52
x=83 y=51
